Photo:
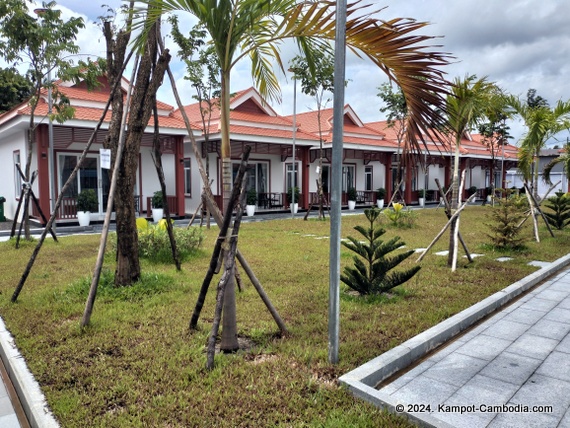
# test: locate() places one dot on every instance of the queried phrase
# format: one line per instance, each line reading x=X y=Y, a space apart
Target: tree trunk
x=454 y=201
x=148 y=81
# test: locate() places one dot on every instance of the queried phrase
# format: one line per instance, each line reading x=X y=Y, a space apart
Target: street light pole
x=294 y=141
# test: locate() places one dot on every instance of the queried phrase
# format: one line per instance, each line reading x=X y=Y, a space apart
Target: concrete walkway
x=511 y=370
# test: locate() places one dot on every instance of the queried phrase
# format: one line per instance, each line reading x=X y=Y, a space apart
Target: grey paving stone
x=551 y=294
x=538 y=263
x=455 y=369
x=3 y=391
x=511 y=368
x=549 y=328
x=533 y=346
x=9 y=421
x=524 y=420
x=6 y=407
x=565 y=422
x=559 y=314
x=564 y=345
x=479 y=390
x=524 y=316
x=407 y=377
x=505 y=329
x=446 y=350
x=538 y=304
x=556 y=365
x=484 y=347
x=504 y=259
x=544 y=391
x=564 y=304
x=423 y=390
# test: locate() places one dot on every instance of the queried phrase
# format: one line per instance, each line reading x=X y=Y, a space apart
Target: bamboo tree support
x=62 y=192
x=105 y=231
x=157 y=159
x=453 y=217
x=213 y=208
x=229 y=265
x=194 y=215
x=322 y=200
x=398 y=191
x=527 y=213
x=536 y=205
x=448 y=214
x=456 y=230
x=214 y=260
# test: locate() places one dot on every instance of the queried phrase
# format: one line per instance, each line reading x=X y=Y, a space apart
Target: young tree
x=495 y=131
x=315 y=82
x=44 y=44
x=14 y=88
x=395 y=105
x=542 y=122
x=466 y=105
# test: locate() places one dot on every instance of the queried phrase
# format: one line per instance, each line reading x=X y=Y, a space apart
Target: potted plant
x=290 y=194
x=250 y=202
x=380 y=194
x=488 y=191
x=157 y=202
x=422 y=197
x=86 y=203
x=351 y=195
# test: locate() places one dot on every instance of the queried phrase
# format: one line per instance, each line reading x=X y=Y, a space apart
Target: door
x=87 y=176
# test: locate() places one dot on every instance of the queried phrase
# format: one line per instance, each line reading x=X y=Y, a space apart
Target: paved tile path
x=517 y=359
x=8 y=416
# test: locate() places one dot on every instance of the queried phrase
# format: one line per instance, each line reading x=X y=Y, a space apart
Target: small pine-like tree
x=560 y=205
x=371 y=272
x=506 y=217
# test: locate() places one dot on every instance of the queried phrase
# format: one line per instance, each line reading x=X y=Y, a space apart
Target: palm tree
x=564 y=159
x=255 y=29
x=466 y=105
x=543 y=123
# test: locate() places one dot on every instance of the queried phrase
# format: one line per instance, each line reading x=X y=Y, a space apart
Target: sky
x=519 y=44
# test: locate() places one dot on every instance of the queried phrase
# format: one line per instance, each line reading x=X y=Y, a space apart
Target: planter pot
x=294 y=208
x=422 y=202
x=488 y=198
x=380 y=203
x=250 y=210
x=157 y=214
x=351 y=205
x=84 y=218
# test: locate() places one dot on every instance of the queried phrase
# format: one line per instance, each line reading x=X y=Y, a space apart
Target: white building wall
x=8 y=177
x=149 y=177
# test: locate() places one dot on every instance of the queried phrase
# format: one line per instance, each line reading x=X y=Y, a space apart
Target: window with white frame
x=291 y=178
x=187 y=177
x=17 y=176
x=348 y=177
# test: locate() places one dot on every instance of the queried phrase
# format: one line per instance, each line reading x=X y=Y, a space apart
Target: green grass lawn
x=137 y=365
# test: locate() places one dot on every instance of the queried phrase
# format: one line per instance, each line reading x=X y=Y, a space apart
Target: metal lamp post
x=294 y=141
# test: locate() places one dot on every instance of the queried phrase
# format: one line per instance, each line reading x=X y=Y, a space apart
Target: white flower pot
x=380 y=203
x=422 y=202
x=84 y=218
x=294 y=208
x=157 y=214
x=351 y=205
x=488 y=198
x=250 y=210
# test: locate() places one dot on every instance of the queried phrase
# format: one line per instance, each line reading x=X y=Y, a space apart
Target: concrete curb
x=28 y=390
x=363 y=380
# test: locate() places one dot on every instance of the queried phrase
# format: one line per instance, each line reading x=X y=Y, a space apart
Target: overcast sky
x=519 y=44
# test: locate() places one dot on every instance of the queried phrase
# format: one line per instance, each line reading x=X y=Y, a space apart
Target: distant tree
x=14 y=88
x=316 y=82
x=495 y=131
x=397 y=108
x=542 y=122
x=45 y=45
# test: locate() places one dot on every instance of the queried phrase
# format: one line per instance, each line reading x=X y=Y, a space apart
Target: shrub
x=400 y=217
x=142 y=223
x=370 y=274
x=380 y=193
x=422 y=193
x=472 y=190
x=507 y=216
x=154 y=243
x=290 y=194
x=560 y=205
x=87 y=200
